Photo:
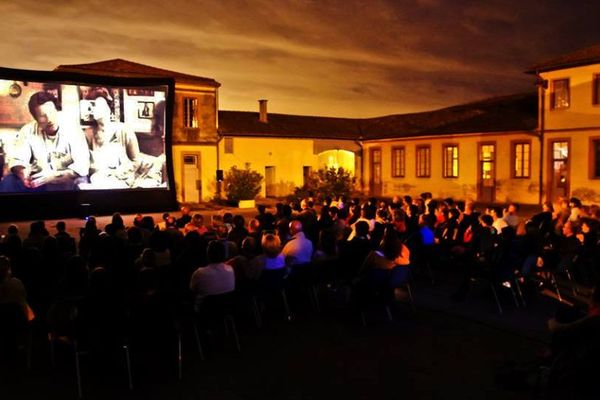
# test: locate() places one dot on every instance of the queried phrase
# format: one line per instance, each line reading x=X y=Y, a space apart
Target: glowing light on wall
x=337 y=159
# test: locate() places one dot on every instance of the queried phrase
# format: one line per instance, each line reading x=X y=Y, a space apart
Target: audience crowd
x=153 y=265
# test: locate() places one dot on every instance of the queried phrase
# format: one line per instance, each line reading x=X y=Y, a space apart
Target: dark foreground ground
x=444 y=350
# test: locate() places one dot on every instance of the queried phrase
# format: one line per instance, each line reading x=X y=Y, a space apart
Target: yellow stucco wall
x=465 y=185
x=288 y=156
x=581 y=113
x=208 y=162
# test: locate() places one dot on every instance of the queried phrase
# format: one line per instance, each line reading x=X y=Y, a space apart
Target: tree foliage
x=242 y=184
x=327 y=182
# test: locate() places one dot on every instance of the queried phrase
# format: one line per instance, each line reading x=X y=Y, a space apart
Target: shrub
x=326 y=182
x=242 y=184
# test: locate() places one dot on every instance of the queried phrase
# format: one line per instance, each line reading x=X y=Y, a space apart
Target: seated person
x=114 y=149
x=217 y=277
x=11 y=289
x=50 y=148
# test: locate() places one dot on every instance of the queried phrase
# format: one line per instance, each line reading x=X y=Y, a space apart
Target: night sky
x=318 y=57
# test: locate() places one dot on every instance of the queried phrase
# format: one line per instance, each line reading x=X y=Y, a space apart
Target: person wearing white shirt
x=217 y=277
x=299 y=249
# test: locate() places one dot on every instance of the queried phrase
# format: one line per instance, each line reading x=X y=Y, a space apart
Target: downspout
x=219 y=183
x=362 y=158
x=541 y=84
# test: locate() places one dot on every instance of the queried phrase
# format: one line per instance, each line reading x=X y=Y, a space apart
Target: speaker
x=219 y=175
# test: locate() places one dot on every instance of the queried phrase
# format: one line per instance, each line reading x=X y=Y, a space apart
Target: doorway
x=375 y=181
x=270 y=182
x=559 y=170
x=191 y=190
x=486 y=181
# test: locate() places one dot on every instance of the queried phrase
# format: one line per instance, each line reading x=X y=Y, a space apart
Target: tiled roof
x=130 y=69
x=499 y=114
x=587 y=56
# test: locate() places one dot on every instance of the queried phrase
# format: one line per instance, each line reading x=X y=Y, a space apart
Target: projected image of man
x=114 y=148
x=54 y=150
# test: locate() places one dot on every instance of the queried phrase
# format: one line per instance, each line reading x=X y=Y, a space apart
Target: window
x=190 y=110
x=596 y=90
x=398 y=157
x=228 y=143
x=450 y=161
x=423 y=161
x=521 y=159
x=559 y=97
x=595 y=158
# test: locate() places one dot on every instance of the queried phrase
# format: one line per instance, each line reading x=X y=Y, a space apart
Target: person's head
x=248 y=245
x=486 y=220
x=198 y=220
x=547 y=206
x=390 y=245
x=254 y=226
x=165 y=216
x=61 y=226
x=117 y=221
x=216 y=252
x=513 y=208
x=101 y=110
x=574 y=202
x=469 y=207
x=44 y=109
x=361 y=228
x=185 y=210
x=13 y=230
x=271 y=245
x=158 y=120
x=4 y=268
x=148 y=258
x=228 y=218
x=238 y=221
x=295 y=227
x=261 y=209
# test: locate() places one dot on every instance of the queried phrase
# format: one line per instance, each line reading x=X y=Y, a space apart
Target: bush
x=242 y=184
x=326 y=182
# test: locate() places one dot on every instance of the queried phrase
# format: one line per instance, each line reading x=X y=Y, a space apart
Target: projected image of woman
x=114 y=149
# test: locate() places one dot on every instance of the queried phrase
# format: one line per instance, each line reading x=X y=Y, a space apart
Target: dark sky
x=339 y=58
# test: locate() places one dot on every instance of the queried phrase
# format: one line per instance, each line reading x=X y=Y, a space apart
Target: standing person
x=53 y=150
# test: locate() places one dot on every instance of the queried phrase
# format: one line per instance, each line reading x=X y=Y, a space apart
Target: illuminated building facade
x=524 y=148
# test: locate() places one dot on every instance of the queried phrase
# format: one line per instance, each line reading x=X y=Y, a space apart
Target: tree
x=327 y=182
x=242 y=184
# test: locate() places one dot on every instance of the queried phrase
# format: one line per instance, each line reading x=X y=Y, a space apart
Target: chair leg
x=256 y=311
x=410 y=297
x=231 y=320
x=198 y=344
x=179 y=357
x=29 y=349
x=315 y=296
x=389 y=313
x=556 y=288
x=520 y=293
x=52 y=355
x=572 y=282
x=128 y=364
x=77 y=370
x=496 y=298
x=288 y=314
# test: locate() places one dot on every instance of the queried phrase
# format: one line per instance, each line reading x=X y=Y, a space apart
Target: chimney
x=262 y=106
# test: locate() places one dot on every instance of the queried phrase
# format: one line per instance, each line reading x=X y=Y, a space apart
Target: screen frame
x=28 y=206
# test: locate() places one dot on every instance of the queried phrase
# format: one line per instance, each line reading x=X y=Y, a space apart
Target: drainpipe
x=362 y=160
x=219 y=183
x=541 y=85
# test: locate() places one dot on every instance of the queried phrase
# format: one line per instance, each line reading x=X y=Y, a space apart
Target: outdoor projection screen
x=76 y=139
